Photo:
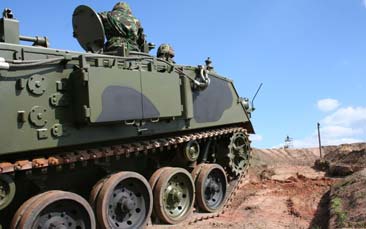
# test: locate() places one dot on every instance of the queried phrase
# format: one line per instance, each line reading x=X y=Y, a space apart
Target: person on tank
x=166 y=52
x=122 y=28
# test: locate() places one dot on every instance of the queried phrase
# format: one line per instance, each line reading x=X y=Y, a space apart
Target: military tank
x=113 y=140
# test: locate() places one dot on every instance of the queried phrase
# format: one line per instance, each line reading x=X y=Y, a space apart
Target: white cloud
x=328 y=104
x=364 y=3
x=340 y=131
x=344 y=125
x=312 y=141
x=338 y=141
x=256 y=137
x=306 y=142
x=350 y=116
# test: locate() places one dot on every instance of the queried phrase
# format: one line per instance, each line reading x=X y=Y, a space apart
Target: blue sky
x=310 y=55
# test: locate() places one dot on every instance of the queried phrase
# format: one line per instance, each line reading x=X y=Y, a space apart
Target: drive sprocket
x=239 y=153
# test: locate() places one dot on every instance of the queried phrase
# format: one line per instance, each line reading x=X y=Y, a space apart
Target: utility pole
x=320 y=143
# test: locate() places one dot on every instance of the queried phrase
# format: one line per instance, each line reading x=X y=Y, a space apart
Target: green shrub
x=337 y=209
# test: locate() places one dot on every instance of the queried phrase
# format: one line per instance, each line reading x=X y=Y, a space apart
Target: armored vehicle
x=113 y=139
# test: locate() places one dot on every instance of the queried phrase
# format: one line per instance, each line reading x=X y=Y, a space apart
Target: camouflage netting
x=348 y=202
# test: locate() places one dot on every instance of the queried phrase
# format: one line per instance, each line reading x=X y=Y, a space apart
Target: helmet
x=165 y=50
x=122 y=6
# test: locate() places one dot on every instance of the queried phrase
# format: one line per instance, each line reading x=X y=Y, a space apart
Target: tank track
x=127 y=150
x=119 y=151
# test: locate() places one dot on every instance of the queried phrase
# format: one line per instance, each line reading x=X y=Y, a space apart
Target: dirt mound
x=343 y=160
x=276 y=157
x=284 y=190
x=348 y=202
x=282 y=197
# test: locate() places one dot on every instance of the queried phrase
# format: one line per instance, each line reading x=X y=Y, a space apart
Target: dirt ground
x=345 y=159
x=295 y=197
x=348 y=202
x=282 y=191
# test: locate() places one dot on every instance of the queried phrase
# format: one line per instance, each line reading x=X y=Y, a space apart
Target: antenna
x=255 y=95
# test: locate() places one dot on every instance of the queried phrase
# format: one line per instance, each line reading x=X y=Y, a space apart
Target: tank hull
x=103 y=101
x=135 y=135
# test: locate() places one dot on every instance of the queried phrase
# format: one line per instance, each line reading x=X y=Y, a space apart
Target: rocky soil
x=294 y=189
x=283 y=190
x=343 y=160
x=348 y=202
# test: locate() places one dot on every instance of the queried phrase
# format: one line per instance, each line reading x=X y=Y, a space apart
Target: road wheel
x=210 y=186
x=7 y=191
x=124 y=200
x=54 y=209
x=174 y=195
